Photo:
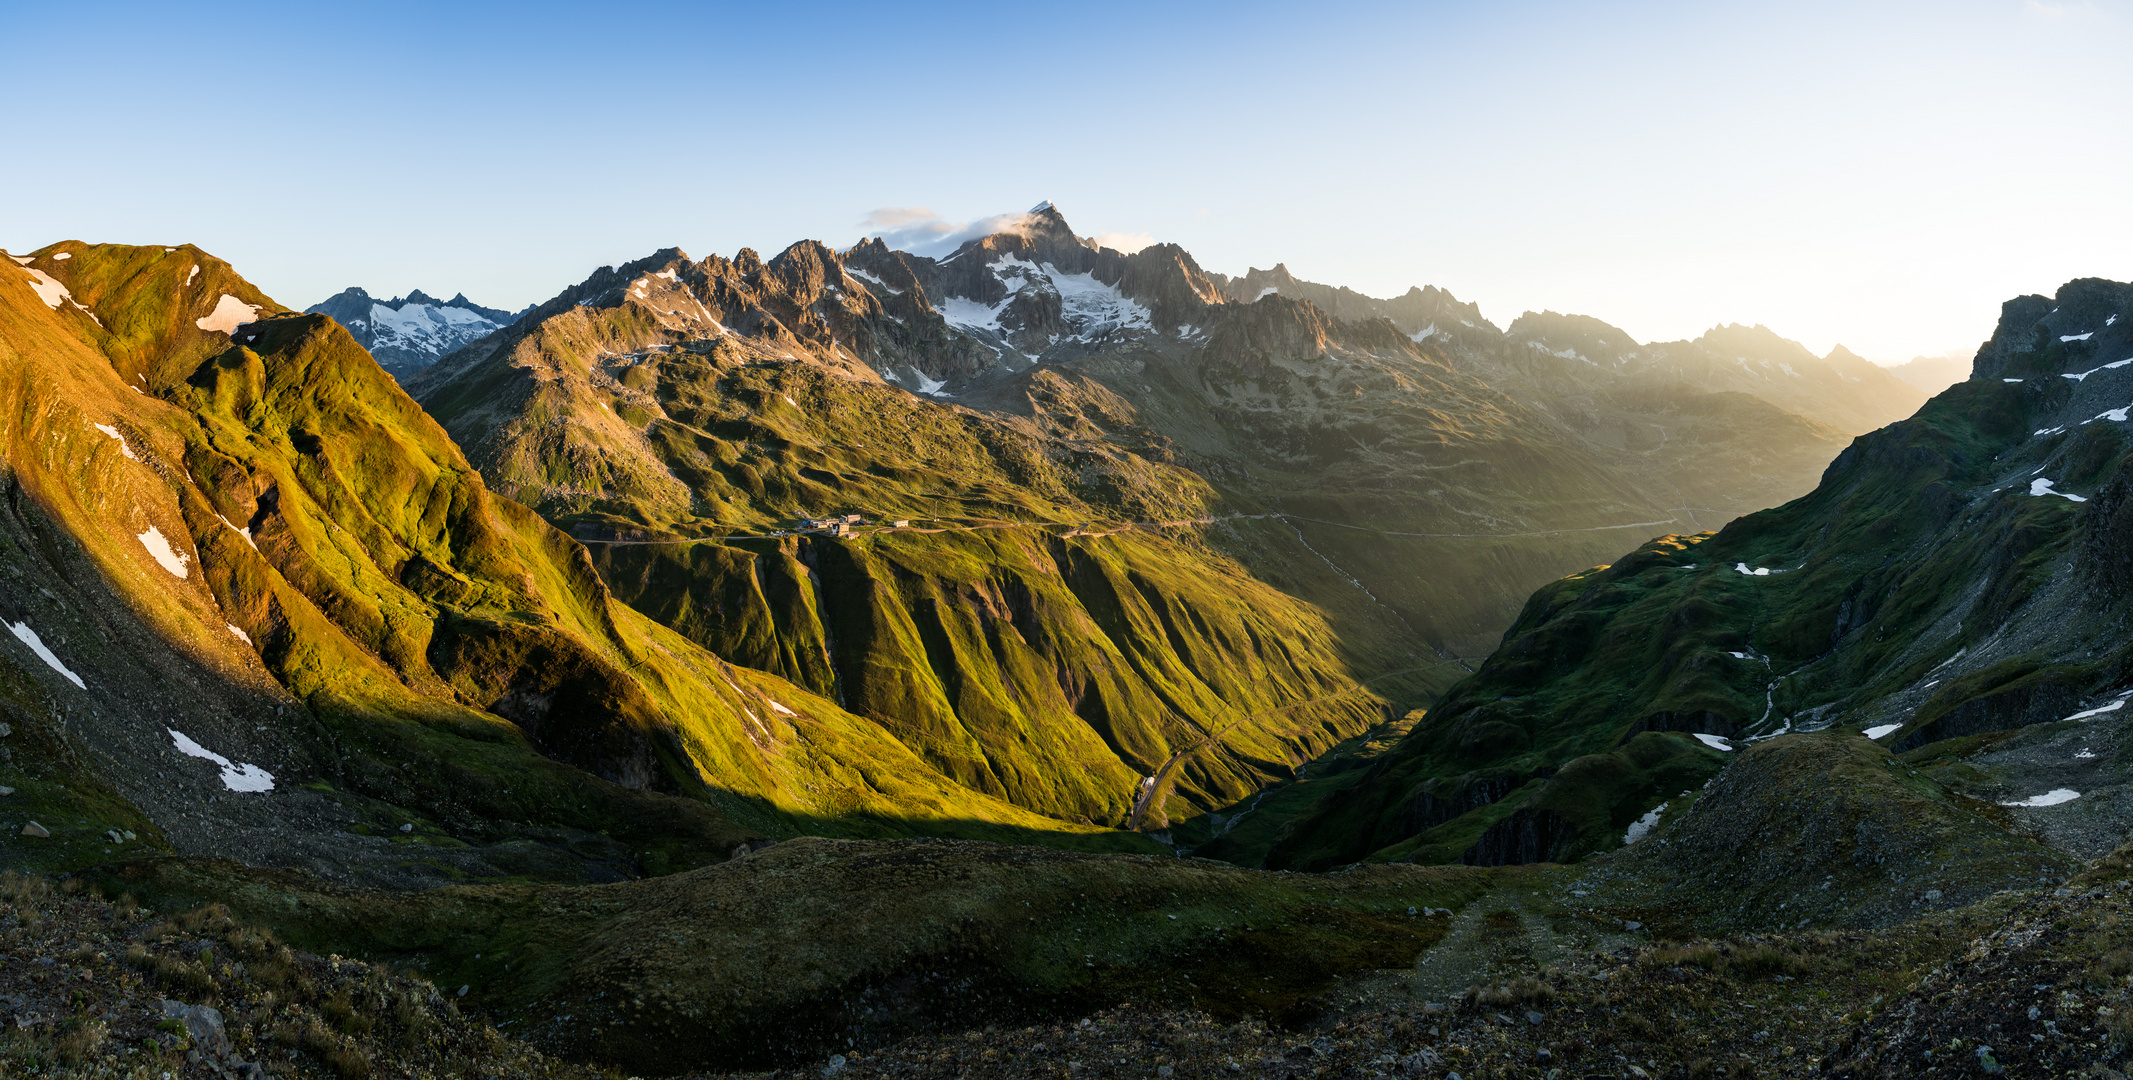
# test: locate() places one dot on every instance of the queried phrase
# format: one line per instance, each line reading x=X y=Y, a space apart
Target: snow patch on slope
x=246 y=533
x=1642 y=827
x=2094 y=370
x=239 y=776
x=48 y=288
x=29 y=637
x=159 y=548
x=2041 y=486
x=114 y=433
x=2102 y=709
x=229 y=314
x=2050 y=798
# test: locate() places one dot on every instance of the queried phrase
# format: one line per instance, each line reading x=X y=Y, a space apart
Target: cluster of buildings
x=841 y=525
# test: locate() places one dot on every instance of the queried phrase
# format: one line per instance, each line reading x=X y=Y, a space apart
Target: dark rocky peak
x=353 y=293
x=606 y=286
x=1276 y=327
x=354 y=302
x=804 y=287
x=1040 y=236
x=746 y=261
x=803 y=270
x=2086 y=319
x=1044 y=224
x=459 y=300
x=877 y=264
x=1257 y=283
x=350 y=307
x=1169 y=282
x=2088 y=306
x=1574 y=337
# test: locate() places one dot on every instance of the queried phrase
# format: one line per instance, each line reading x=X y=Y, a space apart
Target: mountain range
x=734 y=662
x=408 y=333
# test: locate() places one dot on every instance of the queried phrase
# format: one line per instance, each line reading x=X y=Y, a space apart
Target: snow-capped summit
x=408 y=333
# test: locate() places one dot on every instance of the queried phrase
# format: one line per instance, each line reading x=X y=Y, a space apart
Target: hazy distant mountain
x=1934 y=374
x=408 y=333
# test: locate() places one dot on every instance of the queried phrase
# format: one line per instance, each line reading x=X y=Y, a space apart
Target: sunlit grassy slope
x=1049 y=627
x=398 y=634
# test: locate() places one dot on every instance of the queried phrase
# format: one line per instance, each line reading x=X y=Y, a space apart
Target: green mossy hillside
x=1935 y=586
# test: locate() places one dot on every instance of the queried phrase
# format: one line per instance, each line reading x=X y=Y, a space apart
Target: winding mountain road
x=1149 y=792
x=1080 y=529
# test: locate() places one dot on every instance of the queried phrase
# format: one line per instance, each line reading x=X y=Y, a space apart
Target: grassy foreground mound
x=1957 y=992
x=1824 y=829
x=929 y=958
x=814 y=946
x=99 y=988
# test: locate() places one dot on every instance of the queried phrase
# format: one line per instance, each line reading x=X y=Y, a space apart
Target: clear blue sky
x=1877 y=175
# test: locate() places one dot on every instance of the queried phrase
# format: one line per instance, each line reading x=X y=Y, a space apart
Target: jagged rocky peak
x=1256 y=284
x=878 y=264
x=1166 y=277
x=409 y=333
x=2038 y=335
x=1276 y=328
